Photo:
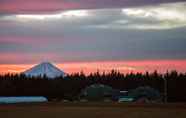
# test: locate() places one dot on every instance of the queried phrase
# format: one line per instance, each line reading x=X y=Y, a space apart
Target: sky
x=91 y=35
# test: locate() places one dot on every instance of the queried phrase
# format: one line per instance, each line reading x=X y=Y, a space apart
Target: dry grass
x=92 y=110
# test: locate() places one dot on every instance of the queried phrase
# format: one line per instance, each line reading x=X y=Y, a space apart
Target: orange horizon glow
x=161 y=66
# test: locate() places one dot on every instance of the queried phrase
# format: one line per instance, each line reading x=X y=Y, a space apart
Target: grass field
x=92 y=110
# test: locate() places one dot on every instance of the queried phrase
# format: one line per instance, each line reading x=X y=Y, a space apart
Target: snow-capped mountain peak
x=44 y=68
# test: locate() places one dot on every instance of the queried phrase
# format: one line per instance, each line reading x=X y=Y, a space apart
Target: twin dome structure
x=44 y=69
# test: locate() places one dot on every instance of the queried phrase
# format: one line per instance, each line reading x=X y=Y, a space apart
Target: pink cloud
x=35 y=5
x=21 y=58
x=30 y=6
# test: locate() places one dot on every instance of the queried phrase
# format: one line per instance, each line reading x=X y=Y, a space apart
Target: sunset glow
x=161 y=66
x=91 y=35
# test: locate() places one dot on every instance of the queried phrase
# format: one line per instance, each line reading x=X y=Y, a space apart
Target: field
x=92 y=110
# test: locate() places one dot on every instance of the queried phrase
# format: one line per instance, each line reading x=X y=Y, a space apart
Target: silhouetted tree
x=70 y=86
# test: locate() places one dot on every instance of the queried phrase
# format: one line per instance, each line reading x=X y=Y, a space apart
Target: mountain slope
x=44 y=68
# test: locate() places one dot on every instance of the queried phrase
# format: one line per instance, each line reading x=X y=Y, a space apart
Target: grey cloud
x=74 y=39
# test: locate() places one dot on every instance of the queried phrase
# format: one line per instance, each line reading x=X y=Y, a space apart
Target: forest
x=70 y=86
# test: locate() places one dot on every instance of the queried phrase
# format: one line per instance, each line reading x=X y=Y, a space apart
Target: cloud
x=136 y=33
x=165 y=16
x=52 y=16
x=67 y=14
x=157 y=17
x=35 y=6
x=45 y=6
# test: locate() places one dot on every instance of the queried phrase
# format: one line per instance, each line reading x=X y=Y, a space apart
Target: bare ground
x=92 y=110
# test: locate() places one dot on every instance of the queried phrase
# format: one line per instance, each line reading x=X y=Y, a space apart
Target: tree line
x=70 y=86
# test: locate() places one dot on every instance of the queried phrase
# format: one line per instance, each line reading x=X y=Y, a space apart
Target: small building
x=126 y=99
x=119 y=94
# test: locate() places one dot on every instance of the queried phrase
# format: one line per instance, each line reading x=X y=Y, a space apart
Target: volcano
x=44 y=69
